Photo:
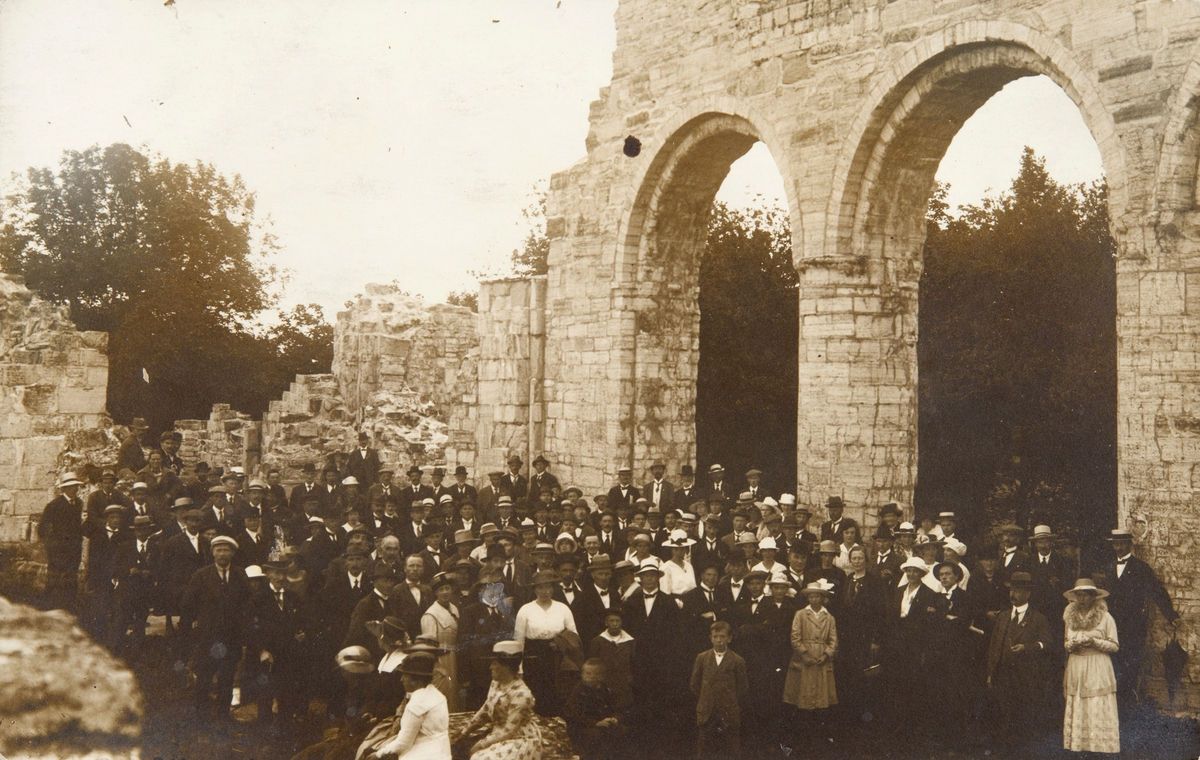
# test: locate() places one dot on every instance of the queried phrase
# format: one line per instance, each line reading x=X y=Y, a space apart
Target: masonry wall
x=857 y=101
x=509 y=414
x=53 y=384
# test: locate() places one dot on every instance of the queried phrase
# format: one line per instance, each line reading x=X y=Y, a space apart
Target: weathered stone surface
x=61 y=695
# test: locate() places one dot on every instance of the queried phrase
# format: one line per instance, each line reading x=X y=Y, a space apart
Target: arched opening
x=881 y=234
x=746 y=385
x=660 y=267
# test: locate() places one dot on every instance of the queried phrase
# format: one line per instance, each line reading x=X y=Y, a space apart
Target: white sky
x=387 y=139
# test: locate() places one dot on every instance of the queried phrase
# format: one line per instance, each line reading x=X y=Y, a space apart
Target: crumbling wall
x=53 y=384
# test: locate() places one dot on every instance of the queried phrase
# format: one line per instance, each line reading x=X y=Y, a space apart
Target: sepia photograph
x=599 y=379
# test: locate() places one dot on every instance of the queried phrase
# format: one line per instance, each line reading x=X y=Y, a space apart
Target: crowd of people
x=668 y=619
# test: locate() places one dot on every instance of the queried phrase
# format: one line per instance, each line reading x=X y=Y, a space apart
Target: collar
x=1125 y=558
x=1021 y=610
x=1011 y=551
x=621 y=639
x=601 y=591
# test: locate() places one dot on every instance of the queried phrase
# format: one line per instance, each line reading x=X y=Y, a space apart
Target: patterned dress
x=514 y=735
x=1089 y=685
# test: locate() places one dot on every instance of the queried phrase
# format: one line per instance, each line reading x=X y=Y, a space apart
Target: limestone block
x=82 y=400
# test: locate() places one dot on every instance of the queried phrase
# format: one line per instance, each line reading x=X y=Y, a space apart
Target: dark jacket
x=218 y=609
x=1131 y=596
x=719 y=688
x=61 y=531
x=364 y=467
x=1033 y=632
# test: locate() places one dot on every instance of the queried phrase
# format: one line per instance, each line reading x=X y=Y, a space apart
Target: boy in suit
x=720 y=685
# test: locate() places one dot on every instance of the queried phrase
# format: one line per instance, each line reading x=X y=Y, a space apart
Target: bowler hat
x=835 y=502
x=139 y=423
x=143 y=521
x=540 y=459
x=414 y=470
x=514 y=459
x=460 y=470
x=687 y=471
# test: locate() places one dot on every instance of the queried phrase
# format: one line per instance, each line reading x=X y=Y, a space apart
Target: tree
x=467 y=298
x=169 y=259
x=747 y=380
x=1017 y=357
x=533 y=256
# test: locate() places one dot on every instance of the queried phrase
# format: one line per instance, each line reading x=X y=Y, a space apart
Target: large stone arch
x=860 y=285
x=660 y=241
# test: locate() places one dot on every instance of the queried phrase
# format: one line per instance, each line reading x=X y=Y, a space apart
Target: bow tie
x=1122 y=561
x=650 y=596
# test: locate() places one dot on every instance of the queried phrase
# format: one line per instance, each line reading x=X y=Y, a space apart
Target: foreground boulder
x=61 y=694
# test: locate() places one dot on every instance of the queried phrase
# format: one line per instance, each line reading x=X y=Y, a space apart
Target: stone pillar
x=511 y=356
x=1158 y=429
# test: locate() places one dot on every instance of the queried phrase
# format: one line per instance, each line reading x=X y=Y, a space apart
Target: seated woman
x=424 y=722
x=508 y=712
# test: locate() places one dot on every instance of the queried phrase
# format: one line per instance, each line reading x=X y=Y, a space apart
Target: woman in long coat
x=440 y=622
x=1089 y=685
x=809 y=684
x=860 y=632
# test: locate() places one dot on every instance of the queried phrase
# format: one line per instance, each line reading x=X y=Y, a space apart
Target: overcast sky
x=387 y=140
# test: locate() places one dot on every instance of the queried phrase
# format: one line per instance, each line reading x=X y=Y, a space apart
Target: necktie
x=1016 y=617
x=279 y=597
x=224 y=578
x=355 y=586
x=508 y=571
x=1045 y=560
x=708 y=595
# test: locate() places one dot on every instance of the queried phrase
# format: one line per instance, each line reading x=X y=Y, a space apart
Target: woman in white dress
x=1090 y=721
x=425 y=719
x=678 y=576
x=536 y=626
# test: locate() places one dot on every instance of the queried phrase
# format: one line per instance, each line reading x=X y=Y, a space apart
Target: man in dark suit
x=253 y=543
x=598 y=597
x=612 y=541
x=543 y=478
x=624 y=493
x=1133 y=588
x=462 y=491
x=441 y=491
x=754 y=486
x=700 y=610
x=377 y=520
x=341 y=594
x=104 y=539
x=308 y=489
x=364 y=462
x=731 y=589
x=413 y=493
x=133 y=576
x=831 y=529
x=431 y=553
x=659 y=492
x=384 y=487
x=1052 y=572
x=709 y=550
x=490 y=494
x=105 y=495
x=513 y=481
x=131 y=456
x=883 y=561
x=656 y=623
x=914 y=619
x=409 y=598
x=60 y=530
x=324 y=545
x=718 y=483
x=1016 y=660
x=686 y=493
x=371 y=607
x=216 y=599
x=181 y=556
x=277 y=638
x=169 y=443
x=516 y=572
x=1012 y=559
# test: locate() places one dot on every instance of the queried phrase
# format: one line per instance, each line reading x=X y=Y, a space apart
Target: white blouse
x=533 y=622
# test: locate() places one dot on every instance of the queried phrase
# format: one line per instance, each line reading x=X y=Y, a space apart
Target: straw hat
x=1085 y=584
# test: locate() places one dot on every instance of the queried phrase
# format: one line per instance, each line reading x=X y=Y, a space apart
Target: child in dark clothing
x=591 y=714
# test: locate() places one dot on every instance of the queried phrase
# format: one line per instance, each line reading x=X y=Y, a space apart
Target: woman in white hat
x=678 y=576
x=1089 y=685
x=507 y=714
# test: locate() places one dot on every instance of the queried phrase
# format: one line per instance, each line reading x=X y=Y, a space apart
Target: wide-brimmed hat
x=142 y=521
x=819 y=586
x=1020 y=580
x=441 y=579
x=541 y=459
x=68 y=479
x=678 y=540
x=957 y=568
x=507 y=651
x=487 y=529
x=355 y=660
x=565 y=537
x=828 y=547
x=624 y=565
x=1085 y=584
x=544 y=576
x=915 y=563
x=418 y=664
x=768 y=543
x=1041 y=531
x=514 y=459
x=139 y=424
